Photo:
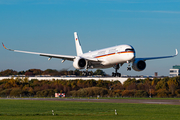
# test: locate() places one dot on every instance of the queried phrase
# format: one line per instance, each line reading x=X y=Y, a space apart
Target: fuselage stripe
x=114 y=54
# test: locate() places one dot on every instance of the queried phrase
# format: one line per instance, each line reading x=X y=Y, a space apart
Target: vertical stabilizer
x=78 y=45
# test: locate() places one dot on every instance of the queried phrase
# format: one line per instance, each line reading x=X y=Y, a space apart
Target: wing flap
x=65 y=57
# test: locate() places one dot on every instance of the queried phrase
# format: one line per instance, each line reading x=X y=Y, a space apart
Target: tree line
x=51 y=72
x=156 y=87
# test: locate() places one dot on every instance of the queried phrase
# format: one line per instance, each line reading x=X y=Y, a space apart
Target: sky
x=152 y=27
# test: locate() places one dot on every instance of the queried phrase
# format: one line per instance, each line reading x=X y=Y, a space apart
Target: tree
x=162 y=93
x=8 y=72
x=172 y=84
x=63 y=72
x=128 y=93
x=77 y=72
x=21 y=72
x=50 y=72
x=118 y=86
x=129 y=82
x=155 y=81
x=147 y=85
x=36 y=71
x=162 y=84
x=99 y=72
x=16 y=92
x=141 y=93
x=29 y=73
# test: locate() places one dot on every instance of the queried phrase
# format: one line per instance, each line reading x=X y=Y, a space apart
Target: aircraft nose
x=134 y=55
x=131 y=56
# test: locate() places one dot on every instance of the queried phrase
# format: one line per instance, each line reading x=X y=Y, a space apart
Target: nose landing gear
x=129 y=66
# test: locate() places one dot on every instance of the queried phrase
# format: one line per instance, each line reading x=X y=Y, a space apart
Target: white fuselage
x=110 y=56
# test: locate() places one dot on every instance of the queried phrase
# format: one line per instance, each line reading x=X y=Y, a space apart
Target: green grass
x=42 y=110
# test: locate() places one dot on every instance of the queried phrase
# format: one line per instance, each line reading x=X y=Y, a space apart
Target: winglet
x=6 y=48
x=176 y=52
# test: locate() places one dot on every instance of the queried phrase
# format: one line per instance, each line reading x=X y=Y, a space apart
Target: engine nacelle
x=79 y=63
x=139 y=65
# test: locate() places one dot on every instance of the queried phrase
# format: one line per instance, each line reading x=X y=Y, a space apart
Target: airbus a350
x=104 y=58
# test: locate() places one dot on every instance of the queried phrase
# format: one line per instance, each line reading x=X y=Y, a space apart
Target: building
x=175 y=71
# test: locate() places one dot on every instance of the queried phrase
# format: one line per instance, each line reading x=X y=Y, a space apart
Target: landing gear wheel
x=86 y=73
x=116 y=74
x=89 y=73
x=113 y=74
x=128 y=68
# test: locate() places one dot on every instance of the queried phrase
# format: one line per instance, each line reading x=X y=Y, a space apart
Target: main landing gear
x=116 y=67
x=86 y=73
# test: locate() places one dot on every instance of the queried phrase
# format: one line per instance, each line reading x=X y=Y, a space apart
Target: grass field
x=42 y=110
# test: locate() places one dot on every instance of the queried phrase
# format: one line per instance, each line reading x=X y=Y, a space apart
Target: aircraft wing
x=151 y=58
x=64 y=57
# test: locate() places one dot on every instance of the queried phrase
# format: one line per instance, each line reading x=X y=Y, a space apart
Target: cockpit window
x=129 y=49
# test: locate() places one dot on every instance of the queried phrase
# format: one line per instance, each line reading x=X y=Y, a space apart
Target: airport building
x=175 y=71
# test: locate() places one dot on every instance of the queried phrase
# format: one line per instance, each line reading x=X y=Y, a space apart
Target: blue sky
x=47 y=26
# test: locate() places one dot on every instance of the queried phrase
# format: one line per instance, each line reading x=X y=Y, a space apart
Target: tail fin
x=78 y=45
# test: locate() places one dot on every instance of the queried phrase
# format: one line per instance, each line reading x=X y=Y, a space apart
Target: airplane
x=104 y=58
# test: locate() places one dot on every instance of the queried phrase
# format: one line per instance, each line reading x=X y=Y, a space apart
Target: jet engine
x=139 y=65
x=79 y=63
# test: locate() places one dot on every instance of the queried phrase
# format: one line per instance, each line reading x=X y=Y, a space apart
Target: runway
x=137 y=101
